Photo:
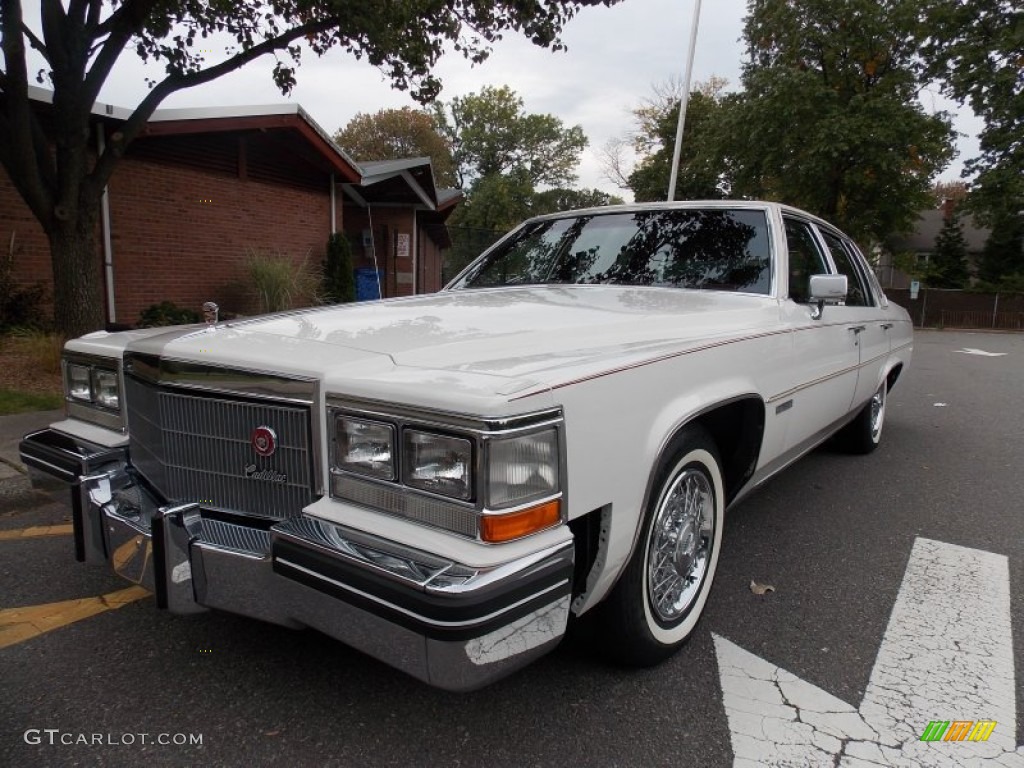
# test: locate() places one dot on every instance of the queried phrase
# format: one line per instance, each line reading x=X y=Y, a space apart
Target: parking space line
x=36 y=531
x=20 y=624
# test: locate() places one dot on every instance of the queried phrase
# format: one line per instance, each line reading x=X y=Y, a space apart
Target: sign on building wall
x=403 y=245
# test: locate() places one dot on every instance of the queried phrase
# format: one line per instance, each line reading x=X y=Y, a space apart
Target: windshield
x=717 y=249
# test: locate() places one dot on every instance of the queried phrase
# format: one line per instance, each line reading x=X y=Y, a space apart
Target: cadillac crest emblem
x=264 y=441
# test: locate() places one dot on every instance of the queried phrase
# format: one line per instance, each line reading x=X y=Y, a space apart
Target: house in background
x=921 y=243
x=201 y=188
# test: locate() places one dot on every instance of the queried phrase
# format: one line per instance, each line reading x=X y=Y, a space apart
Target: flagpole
x=683 y=101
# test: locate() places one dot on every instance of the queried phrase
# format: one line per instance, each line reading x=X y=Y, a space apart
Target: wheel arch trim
x=668 y=439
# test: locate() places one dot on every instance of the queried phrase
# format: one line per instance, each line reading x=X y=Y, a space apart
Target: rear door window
x=857 y=293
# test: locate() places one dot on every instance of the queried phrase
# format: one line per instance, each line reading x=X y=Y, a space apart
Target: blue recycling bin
x=368 y=282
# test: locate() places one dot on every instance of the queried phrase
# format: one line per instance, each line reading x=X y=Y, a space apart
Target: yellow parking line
x=37 y=530
x=20 y=624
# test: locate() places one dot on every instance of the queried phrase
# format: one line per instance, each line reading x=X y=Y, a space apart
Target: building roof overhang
x=287 y=118
x=408 y=181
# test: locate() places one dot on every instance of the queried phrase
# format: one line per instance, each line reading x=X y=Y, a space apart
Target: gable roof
x=926 y=232
x=408 y=181
x=288 y=118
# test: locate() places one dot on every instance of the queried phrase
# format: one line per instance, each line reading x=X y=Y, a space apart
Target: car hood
x=520 y=332
x=479 y=347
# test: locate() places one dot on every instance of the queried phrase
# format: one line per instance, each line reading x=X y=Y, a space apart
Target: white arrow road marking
x=983 y=353
x=947 y=654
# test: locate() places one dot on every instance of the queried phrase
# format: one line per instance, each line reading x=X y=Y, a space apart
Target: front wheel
x=655 y=606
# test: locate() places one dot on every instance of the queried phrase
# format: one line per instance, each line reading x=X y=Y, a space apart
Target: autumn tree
x=829 y=119
x=393 y=134
x=949 y=193
x=79 y=42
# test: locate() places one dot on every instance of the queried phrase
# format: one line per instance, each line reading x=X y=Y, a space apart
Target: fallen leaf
x=761 y=589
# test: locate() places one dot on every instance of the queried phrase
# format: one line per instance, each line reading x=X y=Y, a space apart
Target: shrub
x=20 y=307
x=280 y=283
x=167 y=313
x=339 y=280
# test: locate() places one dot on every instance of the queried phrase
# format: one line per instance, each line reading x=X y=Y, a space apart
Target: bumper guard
x=450 y=625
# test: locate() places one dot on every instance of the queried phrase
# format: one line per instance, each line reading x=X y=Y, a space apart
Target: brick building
x=200 y=189
x=398 y=219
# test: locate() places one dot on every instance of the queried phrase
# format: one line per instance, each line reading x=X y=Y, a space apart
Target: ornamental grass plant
x=280 y=282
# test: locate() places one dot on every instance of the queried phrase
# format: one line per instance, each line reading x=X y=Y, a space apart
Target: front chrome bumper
x=448 y=624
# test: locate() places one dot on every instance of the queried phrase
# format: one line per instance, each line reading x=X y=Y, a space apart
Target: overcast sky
x=615 y=55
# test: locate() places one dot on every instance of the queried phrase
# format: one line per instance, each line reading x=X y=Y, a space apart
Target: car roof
x=755 y=205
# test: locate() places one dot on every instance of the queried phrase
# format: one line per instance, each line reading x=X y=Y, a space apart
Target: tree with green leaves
x=79 y=43
x=947 y=266
x=701 y=165
x=829 y=119
x=491 y=134
x=504 y=156
x=394 y=134
x=498 y=202
x=1001 y=264
x=562 y=199
x=975 y=49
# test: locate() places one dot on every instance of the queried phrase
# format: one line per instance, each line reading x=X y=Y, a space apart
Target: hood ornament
x=210 y=312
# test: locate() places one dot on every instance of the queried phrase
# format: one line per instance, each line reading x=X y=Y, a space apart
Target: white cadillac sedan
x=444 y=481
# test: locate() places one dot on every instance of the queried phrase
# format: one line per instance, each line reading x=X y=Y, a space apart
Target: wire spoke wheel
x=679 y=546
x=864 y=433
x=660 y=596
x=877 y=406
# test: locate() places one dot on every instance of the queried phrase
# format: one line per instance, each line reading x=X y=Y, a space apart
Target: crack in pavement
x=946 y=654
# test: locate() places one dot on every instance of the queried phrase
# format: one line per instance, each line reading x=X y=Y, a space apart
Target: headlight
x=79 y=383
x=92 y=389
x=438 y=463
x=493 y=480
x=522 y=469
x=365 y=447
x=105 y=389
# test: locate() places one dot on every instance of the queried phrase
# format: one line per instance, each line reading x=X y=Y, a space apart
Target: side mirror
x=826 y=289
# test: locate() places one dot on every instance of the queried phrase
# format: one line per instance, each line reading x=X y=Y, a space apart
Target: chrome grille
x=194 y=447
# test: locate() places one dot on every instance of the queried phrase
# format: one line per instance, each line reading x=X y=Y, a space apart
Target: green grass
x=12 y=401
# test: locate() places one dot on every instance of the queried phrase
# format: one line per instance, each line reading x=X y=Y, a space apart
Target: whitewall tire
x=660 y=596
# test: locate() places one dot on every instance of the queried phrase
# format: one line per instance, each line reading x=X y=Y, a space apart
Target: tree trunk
x=77 y=276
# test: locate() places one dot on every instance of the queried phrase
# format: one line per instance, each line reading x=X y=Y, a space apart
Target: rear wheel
x=655 y=606
x=864 y=433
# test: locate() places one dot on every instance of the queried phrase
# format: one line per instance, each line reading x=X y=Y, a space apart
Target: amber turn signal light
x=514 y=525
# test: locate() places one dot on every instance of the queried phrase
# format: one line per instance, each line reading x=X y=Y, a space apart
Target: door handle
x=857 y=328
x=886 y=326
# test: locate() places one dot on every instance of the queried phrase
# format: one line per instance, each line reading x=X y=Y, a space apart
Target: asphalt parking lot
x=107 y=679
